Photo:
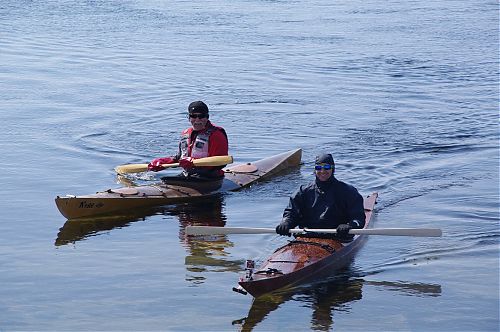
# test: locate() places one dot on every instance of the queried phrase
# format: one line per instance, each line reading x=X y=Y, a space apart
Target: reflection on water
x=203 y=211
x=325 y=298
x=413 y=289
x=206 y=253
x=88 y=85
x=77 y=230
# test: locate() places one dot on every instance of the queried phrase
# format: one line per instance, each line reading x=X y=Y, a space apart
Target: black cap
x=325 y=158
x=198 y=107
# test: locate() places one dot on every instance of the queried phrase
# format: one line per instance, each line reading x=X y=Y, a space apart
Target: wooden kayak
x=113 y=201
x=303 y=259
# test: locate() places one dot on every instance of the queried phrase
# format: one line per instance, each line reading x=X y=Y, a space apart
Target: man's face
x=323 y=171
x=198 y=120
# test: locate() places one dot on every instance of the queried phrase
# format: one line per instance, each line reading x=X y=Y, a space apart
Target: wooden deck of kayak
x=128 y=198
x=304 y=259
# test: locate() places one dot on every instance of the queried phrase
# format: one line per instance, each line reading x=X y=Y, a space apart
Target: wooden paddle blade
x=213 y=161
x=208 y=161
x=131 y=168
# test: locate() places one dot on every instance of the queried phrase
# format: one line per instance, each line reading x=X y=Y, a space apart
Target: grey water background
x=403 y=93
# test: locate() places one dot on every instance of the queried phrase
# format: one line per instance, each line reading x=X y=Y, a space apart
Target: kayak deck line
x=178 y=189
x=112 y=201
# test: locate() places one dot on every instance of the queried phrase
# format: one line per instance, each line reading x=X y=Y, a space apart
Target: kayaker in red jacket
x=324 y=203
x=202 y=139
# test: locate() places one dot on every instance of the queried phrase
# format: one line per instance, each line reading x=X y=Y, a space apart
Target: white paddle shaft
x=213 y=230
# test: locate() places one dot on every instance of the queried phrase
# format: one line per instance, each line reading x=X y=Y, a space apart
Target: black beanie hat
x=198 y=107
x=325 y=158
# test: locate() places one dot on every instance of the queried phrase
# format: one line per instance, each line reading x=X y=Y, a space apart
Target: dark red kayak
x=303 y=259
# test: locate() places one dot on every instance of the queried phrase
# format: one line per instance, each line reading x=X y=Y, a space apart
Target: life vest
x=198 y=148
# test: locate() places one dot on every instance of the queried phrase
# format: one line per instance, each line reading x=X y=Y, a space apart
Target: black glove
x=283 y=229
x=343 y=229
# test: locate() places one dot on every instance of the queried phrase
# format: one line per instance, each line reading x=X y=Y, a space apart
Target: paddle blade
x=213 y=161
x=208 y=161
x=215 y=230
x=418 y=232
x=131 y=168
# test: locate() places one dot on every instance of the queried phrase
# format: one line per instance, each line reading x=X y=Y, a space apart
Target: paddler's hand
x=343 y=230
x=283 y=229
x=186 y=162
x=156 y=164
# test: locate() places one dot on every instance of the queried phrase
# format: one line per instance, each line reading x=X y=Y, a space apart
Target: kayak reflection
x=325 y=298
x=77 y=230
x=205 y=253
x=202 y=211
x=415 y=288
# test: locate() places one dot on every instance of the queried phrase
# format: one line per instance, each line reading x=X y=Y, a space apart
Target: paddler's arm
x=355 y=212
x=356 y=209
x=292 y=213
x=218 y=145
x=155 y=164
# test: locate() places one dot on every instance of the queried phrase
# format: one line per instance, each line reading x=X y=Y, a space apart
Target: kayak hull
x=128 y=198
x=305 y=259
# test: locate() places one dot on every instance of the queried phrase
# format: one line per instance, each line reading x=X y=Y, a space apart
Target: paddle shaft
x=213 y=230
x=208 y=161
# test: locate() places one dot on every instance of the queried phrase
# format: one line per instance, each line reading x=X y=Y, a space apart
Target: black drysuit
x=325 y=204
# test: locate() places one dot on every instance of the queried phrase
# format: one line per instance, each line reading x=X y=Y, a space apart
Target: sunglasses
x=326 y=167
x=197 y=116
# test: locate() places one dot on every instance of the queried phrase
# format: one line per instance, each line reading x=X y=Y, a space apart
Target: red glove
x=156 y=164
x=186 y=162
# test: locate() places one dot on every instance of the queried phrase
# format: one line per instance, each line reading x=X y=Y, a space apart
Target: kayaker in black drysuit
x=324 y=203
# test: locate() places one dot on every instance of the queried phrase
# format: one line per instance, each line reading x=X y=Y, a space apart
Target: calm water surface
x=403 y=93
